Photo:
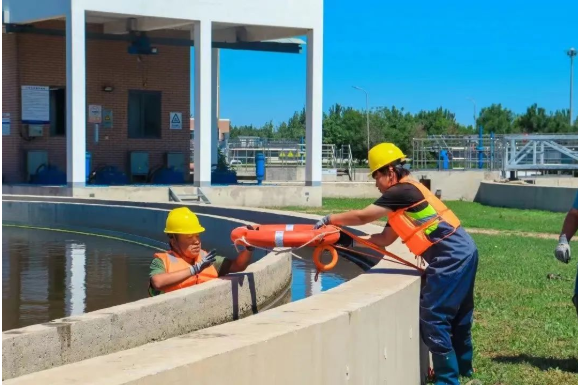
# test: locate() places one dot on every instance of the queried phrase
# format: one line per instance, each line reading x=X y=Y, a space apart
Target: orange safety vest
x=412 y=234
x=173 y=263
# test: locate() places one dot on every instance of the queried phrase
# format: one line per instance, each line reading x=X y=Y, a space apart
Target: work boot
x=446 y=369
x=465 y=355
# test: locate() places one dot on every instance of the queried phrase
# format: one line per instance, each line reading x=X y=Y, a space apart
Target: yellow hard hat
x=382 y=155
x=183 y=221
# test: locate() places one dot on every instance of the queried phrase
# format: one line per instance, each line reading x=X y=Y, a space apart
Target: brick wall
x=11 y=145
x=41 y=60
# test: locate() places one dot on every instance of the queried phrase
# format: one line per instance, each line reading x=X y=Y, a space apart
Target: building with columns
x=112 y=78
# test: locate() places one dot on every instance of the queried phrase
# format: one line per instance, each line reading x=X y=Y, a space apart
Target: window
x=144 y=114
x=57 y=111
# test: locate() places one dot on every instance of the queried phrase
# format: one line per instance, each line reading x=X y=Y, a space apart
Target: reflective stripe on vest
x=414 y=228
x=173 y=263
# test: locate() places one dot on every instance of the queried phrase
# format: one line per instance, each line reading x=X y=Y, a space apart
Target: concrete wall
x=363 y=331
x=240 y=195
x=555 y=182
x=527 y=196
x=264 y=196
x=455 y=185
x=72 y=339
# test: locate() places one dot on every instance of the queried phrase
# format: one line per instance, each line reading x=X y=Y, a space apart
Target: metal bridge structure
x=240 y=153
x=506 y=153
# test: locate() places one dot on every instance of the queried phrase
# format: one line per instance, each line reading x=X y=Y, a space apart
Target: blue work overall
x=447 y=300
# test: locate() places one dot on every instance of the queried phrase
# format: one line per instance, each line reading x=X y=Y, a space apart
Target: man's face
x=189 y=245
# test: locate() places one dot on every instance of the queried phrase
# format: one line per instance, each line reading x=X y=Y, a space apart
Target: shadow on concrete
x=413 y=273
x=569 y=365
x=238 y=280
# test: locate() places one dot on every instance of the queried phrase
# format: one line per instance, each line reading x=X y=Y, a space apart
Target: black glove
x=322 y=222
x=344 y=240
x=205 y=262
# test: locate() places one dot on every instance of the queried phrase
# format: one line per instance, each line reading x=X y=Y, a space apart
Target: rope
x=289 y=249
x=380 y=250
x=419 y=260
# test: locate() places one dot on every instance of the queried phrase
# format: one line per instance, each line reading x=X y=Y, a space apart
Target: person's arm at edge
x=383 y=239
x=359 y=217
x=570 y=225
x=161 y=280
x=364 y=216
x=242 y=261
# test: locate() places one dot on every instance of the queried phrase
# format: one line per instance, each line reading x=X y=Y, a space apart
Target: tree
x=438 y=122
x=497 y=119
x=345 y=126
x=533 y=121
x=559 y=122
x=295 y=127
x=393 y=125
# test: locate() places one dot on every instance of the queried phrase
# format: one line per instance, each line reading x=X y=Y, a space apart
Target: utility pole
x=571 y=52
x=366 y=112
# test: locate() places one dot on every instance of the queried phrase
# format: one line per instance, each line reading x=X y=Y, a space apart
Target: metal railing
x=496 y=152
x=541 y=152
x=457 y=152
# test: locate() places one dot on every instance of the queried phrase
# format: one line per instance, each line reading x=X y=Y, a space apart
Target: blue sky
x=416 y=55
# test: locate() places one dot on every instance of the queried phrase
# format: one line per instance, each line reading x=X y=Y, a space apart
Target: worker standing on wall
x=562 y=251
x=430 y=230
x=186 y=263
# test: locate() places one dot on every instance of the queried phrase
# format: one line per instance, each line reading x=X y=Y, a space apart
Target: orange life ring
x=317 y=257
x=269 y=236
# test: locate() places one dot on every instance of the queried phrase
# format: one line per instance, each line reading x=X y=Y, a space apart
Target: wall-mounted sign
x=5 y=123
x=35 y=105
x=176 y=121
x=106 y=118
x=94 y=114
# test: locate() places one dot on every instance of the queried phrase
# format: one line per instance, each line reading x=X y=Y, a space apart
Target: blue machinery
x=450 y=154
x=260 y=167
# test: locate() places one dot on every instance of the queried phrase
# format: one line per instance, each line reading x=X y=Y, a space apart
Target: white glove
x=562 y=251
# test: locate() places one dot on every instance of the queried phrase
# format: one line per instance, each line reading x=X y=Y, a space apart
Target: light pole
x=366 y=111
x=475 y=119
x=571 y=52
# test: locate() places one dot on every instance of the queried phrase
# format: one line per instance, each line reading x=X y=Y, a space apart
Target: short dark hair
x=171 y=236
x=397 y=168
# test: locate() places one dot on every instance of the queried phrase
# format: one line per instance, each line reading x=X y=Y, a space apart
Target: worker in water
x=562 y=251
x=431 y=231
x=186 y=263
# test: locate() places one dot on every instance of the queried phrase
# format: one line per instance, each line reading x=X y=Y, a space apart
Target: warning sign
x=176 y=121
x=94 y=114
x=106 y=118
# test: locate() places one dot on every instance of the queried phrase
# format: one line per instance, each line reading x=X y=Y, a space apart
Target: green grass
x=525 y=328
x=472 y=215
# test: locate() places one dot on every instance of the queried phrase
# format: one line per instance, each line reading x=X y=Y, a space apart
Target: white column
x=314 y=107
x=75 y=97
x=75 y=296
x=316 y=287
x=203 y=103
x=214 y=101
